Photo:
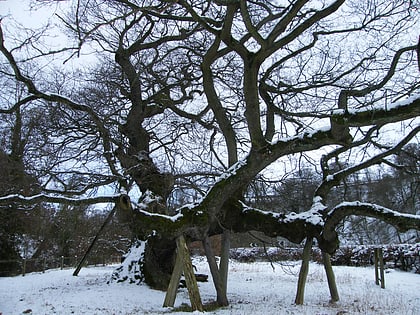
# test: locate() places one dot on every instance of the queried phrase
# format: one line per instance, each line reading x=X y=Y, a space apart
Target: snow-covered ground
x=254 y=288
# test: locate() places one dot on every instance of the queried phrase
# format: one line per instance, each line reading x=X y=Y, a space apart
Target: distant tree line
x=44 y=231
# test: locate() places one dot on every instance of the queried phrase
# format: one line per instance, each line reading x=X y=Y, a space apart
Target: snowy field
x=254 y=288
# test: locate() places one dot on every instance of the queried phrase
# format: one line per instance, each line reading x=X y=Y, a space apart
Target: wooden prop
x=183 y=263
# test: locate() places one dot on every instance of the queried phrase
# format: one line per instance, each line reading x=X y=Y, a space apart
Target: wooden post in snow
x=330 y=277
x=174 y=282
x=183 y=263
x=375 y=260
x=124 y=205
x=303 y=273
x=379 y=267
x=24 y=267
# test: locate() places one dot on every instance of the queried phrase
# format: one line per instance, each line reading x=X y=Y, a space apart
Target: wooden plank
x=190 y=280
x=174 y=283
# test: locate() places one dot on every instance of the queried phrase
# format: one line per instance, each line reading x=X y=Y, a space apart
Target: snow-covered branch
x=21 y=199
x=394 y=112
x=401 y=221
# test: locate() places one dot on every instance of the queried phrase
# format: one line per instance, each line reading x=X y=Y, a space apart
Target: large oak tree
x=182 y=104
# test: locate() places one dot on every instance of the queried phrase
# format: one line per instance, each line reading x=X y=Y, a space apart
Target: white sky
x=20 y=10
x=23 y=13
x=35 y=15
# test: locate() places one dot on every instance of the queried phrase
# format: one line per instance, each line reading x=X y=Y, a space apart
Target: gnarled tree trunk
x=159 y=261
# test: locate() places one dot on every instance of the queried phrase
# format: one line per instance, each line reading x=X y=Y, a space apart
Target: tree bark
x=159 y=261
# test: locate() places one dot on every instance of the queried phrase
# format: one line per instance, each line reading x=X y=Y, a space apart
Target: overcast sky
x=21 y=11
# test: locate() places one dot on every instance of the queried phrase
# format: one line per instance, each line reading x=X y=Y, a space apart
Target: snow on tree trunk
x=131 y=269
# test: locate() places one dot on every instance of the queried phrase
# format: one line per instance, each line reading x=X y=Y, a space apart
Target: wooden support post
x=123 y=201
x=24 y=267
x=189 y=275
x=330 y=277
x=303 y=273
x=379 y=267
x=174 y=283
x=376 y=259
x=216 y=273
x=183 y=260
x=224 y=261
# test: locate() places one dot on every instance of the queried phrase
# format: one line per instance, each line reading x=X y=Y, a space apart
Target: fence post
x=24 y=267
x=62 y=262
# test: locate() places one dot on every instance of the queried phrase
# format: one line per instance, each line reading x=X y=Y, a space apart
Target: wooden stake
x=303 y=273
x=381 y=266
x=24 y=267
x=330 y=277
x=174 y=283
x=376 y=260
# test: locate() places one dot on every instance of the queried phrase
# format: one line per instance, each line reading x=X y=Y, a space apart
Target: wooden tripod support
x=183 y=264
